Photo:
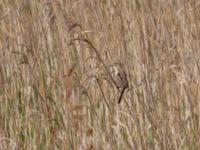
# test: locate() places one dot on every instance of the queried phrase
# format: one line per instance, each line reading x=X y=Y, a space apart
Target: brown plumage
x=120 y=78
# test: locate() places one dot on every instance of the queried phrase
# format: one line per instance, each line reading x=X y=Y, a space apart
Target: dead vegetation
x=56 y=90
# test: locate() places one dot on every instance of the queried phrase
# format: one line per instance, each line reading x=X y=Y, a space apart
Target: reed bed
x=56 y=91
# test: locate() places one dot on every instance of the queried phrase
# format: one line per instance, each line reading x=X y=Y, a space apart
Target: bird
x=120 y=78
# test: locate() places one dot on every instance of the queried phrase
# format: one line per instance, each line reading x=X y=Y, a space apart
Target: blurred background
x=55 y=88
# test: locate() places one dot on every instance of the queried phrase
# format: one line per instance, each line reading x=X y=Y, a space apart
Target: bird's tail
x=121 y=94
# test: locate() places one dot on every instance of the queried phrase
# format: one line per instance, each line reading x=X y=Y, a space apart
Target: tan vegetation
x=56 y=89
